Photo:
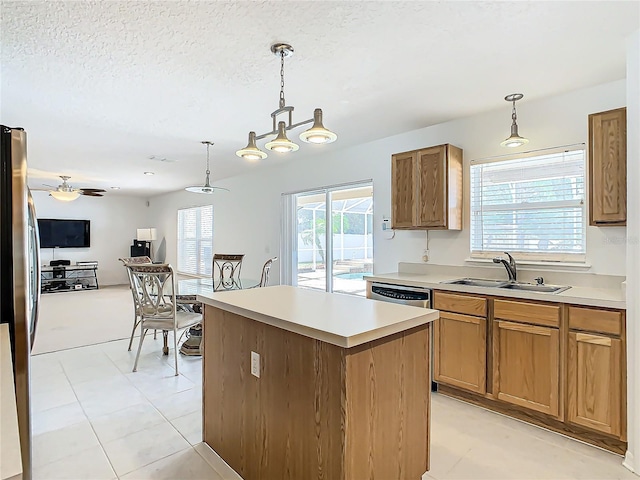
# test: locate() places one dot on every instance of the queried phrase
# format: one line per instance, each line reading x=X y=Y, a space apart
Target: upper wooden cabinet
x=426 y=188
x=608 y=168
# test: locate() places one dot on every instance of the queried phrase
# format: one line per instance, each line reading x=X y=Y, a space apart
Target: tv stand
x=66 y=278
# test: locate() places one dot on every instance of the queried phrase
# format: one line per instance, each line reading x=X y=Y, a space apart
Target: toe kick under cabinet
x=551 y=364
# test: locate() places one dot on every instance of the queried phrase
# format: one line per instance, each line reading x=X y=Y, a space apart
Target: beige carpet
x=74 y=319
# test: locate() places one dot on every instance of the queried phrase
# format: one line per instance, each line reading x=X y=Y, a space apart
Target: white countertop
x=343 y=320
x=598 y=297
x=10 y=454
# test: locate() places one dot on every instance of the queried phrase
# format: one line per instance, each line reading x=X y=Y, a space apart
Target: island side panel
x=287 y=424
x=388 y=407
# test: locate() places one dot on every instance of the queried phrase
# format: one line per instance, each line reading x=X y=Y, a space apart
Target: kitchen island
x=340 y=391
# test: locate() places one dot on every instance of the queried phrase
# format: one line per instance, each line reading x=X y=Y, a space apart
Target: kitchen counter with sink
x=570 y=294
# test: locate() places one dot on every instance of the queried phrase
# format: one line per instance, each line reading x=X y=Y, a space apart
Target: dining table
x=187 y=290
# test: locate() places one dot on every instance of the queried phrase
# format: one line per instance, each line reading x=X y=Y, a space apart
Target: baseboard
x=629 y=463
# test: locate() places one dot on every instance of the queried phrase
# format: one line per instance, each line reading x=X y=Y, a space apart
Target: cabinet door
x=526 y=371
x=460 y=355
x=608 y=168
x=403 y=188
x=594 y=382
x=432 y=187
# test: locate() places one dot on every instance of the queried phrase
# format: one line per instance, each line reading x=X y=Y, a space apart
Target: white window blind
x=533 y=205
x=195 y=240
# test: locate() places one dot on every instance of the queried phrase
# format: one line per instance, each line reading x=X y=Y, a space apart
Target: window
x=533 y=206
x=195 y=240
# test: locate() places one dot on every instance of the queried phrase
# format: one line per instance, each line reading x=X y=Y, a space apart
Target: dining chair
x=156 y=299
x=227 y=266
x=136 y=313
x=266 y=268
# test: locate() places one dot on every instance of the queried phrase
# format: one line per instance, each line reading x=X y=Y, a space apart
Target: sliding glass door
x=332 y=248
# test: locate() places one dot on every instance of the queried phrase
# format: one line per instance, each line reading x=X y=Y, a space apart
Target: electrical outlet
x=255 y=364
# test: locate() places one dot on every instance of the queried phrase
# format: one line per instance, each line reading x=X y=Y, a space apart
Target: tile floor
x=94 y=419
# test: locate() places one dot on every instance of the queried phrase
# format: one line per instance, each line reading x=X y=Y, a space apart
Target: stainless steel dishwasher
x=414 y=296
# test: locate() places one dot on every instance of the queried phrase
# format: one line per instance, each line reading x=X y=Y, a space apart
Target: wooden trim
x=607 y=442
x=454 y=187
x=526 y=312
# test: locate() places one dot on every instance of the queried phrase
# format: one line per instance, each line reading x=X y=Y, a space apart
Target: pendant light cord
x=208 y=172
x=282 y=102
x=513 y=113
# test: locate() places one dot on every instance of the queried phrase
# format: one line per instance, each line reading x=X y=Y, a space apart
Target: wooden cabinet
x=526 y=355
x=426 y=188
x=555 y=365
x=595 y=370
x=460 y=342
x=608 y=168
x=526 y=369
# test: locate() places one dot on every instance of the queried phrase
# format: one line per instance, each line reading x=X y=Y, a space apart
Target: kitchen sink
x=477 y=282
x=528 y=287
x=532 y=287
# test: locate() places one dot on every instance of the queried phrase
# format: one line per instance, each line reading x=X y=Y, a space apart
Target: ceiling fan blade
x=92 y=190
x=90 y=194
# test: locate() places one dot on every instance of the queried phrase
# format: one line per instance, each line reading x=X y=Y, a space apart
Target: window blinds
x=195 y=240
x=532 y=205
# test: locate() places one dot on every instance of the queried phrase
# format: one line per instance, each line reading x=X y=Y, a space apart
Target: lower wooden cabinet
x=594 y=382
x=555 y=365
x=461 y=351
x=526 y=369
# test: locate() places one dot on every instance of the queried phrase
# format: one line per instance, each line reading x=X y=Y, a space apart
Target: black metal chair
x=227 y=267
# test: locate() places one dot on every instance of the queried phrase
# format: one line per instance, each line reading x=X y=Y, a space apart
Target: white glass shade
x=64 y=196
x=281 y=143
x=317 y=133
x=251 y=151
x=514 y=141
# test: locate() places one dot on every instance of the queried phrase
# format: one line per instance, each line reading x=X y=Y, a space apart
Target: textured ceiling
x=100 y=86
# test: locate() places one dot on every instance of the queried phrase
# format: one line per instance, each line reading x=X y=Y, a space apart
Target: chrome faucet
x=510 y=266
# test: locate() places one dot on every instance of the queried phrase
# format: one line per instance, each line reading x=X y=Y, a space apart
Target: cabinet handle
x=594 y=340
x=517 y=327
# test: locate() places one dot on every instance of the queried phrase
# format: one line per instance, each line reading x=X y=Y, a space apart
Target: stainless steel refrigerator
x=19 y=272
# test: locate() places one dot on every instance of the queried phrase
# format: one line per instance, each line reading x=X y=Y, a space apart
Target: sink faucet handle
x=539 y=280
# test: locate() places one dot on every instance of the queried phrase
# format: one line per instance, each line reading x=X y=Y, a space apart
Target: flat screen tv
x=56 y=233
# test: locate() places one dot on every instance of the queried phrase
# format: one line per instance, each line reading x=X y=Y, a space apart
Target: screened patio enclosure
x=350 y=239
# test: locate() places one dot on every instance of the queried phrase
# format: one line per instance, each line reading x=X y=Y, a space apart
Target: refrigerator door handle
x=35 y=271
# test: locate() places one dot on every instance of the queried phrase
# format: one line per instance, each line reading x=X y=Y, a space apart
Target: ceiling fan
x=67 y=193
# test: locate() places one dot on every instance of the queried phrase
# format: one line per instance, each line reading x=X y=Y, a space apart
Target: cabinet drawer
x=533 y=313
x=464 y=304
x=593 y=320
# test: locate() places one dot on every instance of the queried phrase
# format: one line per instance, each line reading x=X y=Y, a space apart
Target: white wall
x=632 y=460
x=114 y=220
x=247 y=219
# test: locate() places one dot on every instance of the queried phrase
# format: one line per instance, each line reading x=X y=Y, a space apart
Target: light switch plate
x=255 y=364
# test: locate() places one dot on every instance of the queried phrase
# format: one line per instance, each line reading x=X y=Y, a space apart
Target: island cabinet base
x=317 y=411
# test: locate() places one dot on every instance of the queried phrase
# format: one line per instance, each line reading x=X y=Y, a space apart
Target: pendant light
x=514 y=139
x=206 y=188
x=251 y=151
x=317 y=134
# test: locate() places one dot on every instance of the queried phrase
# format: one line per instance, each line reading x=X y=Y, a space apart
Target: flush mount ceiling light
x=514 y=139
x=206 y=188
x=316 y=134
